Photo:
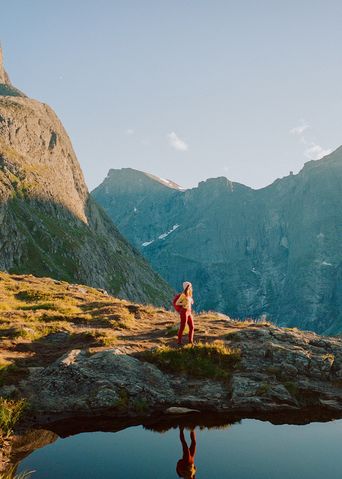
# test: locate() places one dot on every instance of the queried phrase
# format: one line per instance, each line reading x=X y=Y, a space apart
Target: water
x=250 y=449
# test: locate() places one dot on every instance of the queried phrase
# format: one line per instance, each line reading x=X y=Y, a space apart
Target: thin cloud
x=129 y=132
x=299 y=130
x=177 y=143
x=316 y=152
x=312 y=150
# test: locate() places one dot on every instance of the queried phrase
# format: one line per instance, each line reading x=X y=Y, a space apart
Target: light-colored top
x=185 y=301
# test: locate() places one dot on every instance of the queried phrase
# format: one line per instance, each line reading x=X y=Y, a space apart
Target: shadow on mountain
x=44 y=238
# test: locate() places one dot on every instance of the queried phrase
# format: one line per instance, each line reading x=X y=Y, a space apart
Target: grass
x=12 y=475
x=263 y=389
x=10 y=413
x=172 y=330
x=123 y=401
x=274 y=371
x=32 y=308
x=203 y=360
x=328 y=357
x=4 y=366
x=140 y=406
x=292 y=388
x=99 y=337
x=31 y=295
x=10 y=373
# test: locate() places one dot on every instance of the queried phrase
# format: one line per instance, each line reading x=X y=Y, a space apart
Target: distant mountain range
x=274 y=253
x=49 y=225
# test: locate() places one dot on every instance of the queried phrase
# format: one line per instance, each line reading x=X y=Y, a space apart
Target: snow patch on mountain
x=162 y=236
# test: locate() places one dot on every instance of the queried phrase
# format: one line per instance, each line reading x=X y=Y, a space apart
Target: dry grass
x=11 y=474
x=41 y=319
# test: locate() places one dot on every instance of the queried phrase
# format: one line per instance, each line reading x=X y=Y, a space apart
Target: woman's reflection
x=185 y=466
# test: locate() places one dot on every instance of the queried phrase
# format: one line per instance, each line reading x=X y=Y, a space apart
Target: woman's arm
x=180 y=300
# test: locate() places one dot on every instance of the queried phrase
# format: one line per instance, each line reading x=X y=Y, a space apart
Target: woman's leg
x=182 y=315
x=191 y=326
x=193 y=444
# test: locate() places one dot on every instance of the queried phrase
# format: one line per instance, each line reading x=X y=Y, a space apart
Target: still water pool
x=249 y=449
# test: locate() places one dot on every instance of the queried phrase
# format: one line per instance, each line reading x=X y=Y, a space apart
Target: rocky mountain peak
x=3 y=75
x=221 y=185
x=138 y=182
x=49 y=225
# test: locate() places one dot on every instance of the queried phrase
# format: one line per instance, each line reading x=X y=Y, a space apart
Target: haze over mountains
x=274 y=252
x=49 y=225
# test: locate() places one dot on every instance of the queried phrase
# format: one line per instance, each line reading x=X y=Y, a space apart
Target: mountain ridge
x=270 y=252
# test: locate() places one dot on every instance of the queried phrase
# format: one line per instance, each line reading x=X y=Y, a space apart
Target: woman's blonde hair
x=188 y=288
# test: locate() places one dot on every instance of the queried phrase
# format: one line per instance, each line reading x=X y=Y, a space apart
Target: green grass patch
x=263 y=389
x=10 y=413
x=37 y=307
x=123 y=401
x=140 y=406
x=203 y=360
x=233 y=336
x=292 y=388
x=172 y=330
x=32 y=295
x=274 y=371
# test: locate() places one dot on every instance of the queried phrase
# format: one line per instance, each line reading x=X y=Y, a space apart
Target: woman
x=185 y=301
x=186 y=467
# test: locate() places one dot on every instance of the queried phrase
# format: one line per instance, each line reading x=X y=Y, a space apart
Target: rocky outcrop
x=274 y=252
x=49 y=225
x=280 y=370
x=4 y=78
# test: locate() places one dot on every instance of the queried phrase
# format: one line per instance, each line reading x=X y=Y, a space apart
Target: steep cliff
x=49 y=225
x=276 y=251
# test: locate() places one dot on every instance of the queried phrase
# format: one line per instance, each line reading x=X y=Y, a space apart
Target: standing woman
x=185 y=302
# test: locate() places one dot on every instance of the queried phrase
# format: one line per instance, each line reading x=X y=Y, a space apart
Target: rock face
x=49 y=225
x=3 y=75
x=273 y=252
x=280 y=370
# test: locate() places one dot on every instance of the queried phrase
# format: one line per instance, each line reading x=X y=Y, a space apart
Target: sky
x=184 y=89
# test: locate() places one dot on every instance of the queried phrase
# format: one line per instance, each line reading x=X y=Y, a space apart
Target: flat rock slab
x=180 y=410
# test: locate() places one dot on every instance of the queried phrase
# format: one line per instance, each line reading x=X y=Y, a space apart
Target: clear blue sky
x=184 y=89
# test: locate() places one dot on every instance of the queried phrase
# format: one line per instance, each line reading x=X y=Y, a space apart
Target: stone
x=3 y=75
x=298 y=375
x=180 y=410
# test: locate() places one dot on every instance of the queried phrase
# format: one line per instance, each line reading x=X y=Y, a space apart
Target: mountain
x=49 y=224
x=275 y=252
